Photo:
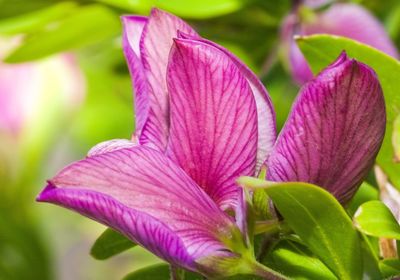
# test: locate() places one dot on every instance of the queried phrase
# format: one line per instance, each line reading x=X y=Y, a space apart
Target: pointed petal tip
x=183 y=35
x=344 y=64
x=46 y=194
x=342 y=58
x=157 y=12
x=178 y=39
x=125 y=19
x=184 y=43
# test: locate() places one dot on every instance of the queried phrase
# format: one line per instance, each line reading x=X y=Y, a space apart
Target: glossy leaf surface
x=374 y=218
x=110 y=243
x=320 y=221
x=297 y=262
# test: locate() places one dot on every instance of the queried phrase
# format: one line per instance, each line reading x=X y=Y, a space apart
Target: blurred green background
x=63 y=64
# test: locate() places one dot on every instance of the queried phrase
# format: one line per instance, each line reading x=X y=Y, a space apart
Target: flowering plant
x=184 y=186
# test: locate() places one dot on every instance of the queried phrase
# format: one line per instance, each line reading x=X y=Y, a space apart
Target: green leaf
x=370 y=254
x=261 y=201
x=390 y=268
x=396 y=138
x=200 y=9
x=320 y=221
x=260 y=204
x=162 y=272
x=138 y=6
x=297 y=262
x=365 y=193
x=159 y=272
x=153 y=272
x=87 y=26
x=110 y=243
x=321 y=50
x=29 y=22
x=194 y=9
x=374 y=218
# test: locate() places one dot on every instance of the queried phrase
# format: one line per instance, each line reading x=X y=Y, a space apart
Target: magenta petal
x=144 y=195
x=133 y=28
x=140 y=227
x=213 y=134
x=334 y=131
x=242 y=215
x=110 y=146
x=265 y=110
x=155 y=45
x=299 y=67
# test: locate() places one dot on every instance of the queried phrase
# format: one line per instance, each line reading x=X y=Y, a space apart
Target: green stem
x=266 y=245
x=271 y=227
x=176 y=273
x=266 y=273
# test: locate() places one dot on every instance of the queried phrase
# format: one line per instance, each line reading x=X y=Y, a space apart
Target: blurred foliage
x=79 y=29
x=91 y=30
x=22 y=251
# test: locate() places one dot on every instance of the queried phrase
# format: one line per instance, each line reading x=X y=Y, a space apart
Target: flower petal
x=334 y=131
x=299 y=67
x=243 y=215
x=155 y=45
x=110 y=145
x=144 y=195
x=133 y=29
x=213 y=134
x=265 y=110
x=140 y=227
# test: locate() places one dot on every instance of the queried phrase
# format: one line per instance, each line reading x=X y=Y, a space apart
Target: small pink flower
x=347 y=20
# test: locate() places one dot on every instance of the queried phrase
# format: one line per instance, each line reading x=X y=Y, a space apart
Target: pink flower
x=203 y=120
x=25 y=87
x=347 y=20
